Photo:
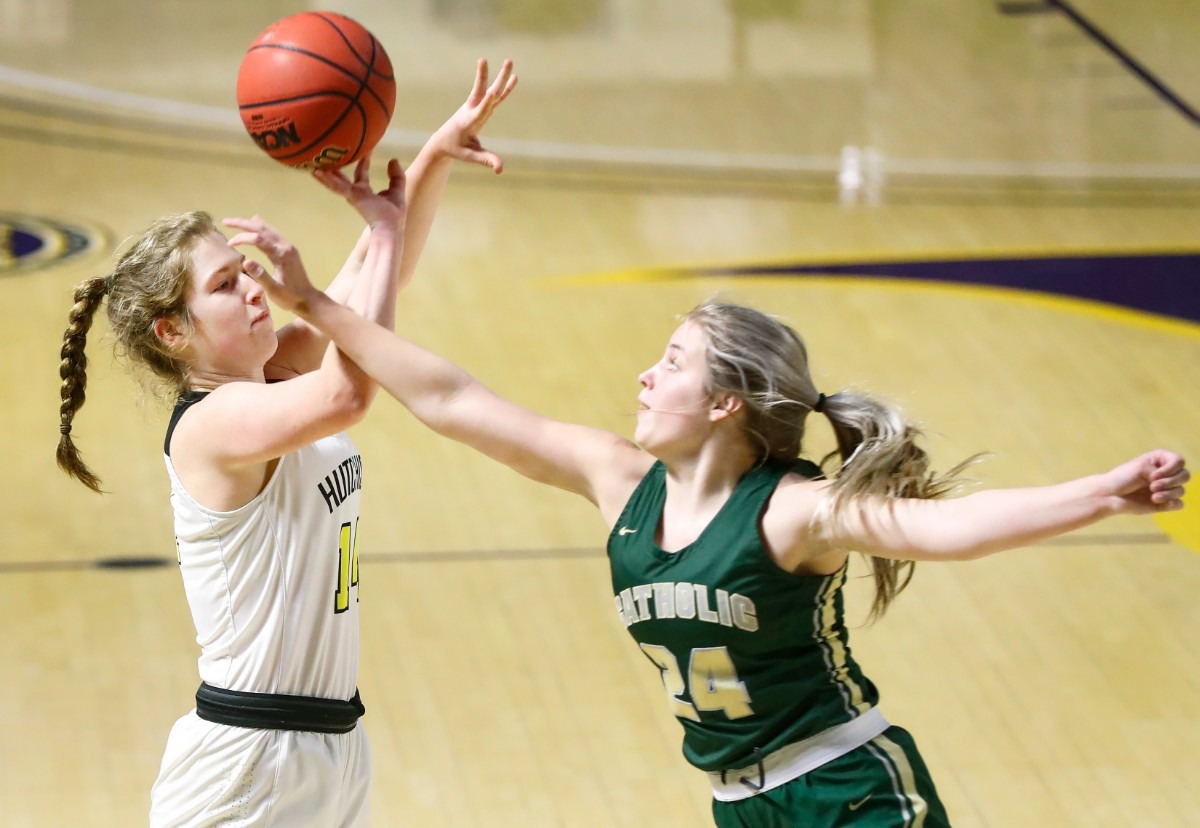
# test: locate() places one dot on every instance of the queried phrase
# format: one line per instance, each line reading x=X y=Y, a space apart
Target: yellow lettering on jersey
x=714 y=683
x=347 y=566
x=672 y=679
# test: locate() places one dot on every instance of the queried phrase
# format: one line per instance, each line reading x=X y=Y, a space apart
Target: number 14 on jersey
x=347 y=567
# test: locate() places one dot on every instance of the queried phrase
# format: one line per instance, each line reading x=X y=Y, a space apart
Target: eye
x=672 y=364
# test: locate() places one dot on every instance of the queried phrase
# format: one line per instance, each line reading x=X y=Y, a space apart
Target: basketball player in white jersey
x=266 y=486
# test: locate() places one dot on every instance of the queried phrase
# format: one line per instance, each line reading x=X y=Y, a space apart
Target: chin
x=270 y=349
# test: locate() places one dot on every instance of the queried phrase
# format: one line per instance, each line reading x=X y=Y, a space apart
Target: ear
x=169 y=333
x=726 y=405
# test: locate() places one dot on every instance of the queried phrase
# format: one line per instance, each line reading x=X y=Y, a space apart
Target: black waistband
x=268 y=711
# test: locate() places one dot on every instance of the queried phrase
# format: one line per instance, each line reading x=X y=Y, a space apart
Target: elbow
x=355 y=407
x=350 y=401
x=969 y=554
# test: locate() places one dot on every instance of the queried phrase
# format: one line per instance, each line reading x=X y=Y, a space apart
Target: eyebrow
x=226 y=269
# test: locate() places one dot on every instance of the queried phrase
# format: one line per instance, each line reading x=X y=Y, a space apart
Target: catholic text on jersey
x=670 y=599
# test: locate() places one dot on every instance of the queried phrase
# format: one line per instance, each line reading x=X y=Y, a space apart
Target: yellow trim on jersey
x=835 y=648
x=907 y=781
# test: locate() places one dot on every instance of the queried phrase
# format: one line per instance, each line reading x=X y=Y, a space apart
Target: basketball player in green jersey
x=729 y=554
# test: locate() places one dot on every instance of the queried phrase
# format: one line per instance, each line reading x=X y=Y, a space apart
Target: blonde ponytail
x=765 y=363
x=878 y=455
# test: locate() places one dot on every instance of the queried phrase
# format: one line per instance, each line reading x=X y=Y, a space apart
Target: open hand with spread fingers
x=386 y=207
x=459 y=136
x=288 y=286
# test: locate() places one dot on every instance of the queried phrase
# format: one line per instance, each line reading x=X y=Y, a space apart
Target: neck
x=206 y=379
x=709 y=476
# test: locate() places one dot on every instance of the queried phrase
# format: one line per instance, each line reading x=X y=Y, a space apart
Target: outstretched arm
x=990 y=521
x=595 y=464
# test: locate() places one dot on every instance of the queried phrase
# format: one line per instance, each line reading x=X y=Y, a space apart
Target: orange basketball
x=316 y=90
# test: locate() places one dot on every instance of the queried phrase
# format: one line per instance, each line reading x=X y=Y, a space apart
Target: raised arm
x=595 y=464
x=984 y=522
x=301 y=346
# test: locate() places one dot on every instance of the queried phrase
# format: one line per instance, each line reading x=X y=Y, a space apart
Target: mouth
x=262 y=317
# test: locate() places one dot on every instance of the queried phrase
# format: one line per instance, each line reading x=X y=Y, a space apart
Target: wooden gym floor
x=648 y=141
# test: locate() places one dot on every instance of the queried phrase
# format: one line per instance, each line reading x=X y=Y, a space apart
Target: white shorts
x=217 y=775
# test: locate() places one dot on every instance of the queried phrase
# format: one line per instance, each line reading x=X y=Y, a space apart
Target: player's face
x=674 y=408
x=233 y=334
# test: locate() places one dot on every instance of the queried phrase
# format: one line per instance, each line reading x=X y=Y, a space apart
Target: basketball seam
x=354 y=103
x=362 y=134
x=333 y=25
x=327 y=62
x=367 y=62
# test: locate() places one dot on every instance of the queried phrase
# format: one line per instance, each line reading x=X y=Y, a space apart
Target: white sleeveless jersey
x=272 y=586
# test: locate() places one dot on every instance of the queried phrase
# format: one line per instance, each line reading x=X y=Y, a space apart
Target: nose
x=646 y=377
x=254 y=291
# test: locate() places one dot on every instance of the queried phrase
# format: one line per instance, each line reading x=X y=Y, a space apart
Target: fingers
x=1166 y=463
x=244 y=238
x=396 y=176
x=1171 y=498
x=481 y=79
x=486 y=158
x=485 y=98
x=1167 y=480
x=254 y=270
x=253 y=230
x=253 y=224
x=362 y=171
x=334 y=180
x=1169 y=488
x=258 y=233
x=505 y=82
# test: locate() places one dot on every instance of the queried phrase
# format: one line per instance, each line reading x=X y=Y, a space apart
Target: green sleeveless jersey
x=751 y=656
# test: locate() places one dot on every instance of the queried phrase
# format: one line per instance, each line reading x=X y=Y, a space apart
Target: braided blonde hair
x=149 y=282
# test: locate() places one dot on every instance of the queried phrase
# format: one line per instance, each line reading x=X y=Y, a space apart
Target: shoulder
x=203 y=431
x=787 y=523
x=214 y=408
x=621 y=470
x=795 y=499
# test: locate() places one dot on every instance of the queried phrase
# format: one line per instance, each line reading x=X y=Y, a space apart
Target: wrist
x=1106 y=501
x=310 y=304
x=383 y=228
x=437 y=150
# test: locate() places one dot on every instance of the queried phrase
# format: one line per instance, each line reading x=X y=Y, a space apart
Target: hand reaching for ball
x=384 y=208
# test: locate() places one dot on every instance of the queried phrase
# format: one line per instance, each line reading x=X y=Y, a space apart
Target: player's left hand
x=459 y=136
x=1152 y=482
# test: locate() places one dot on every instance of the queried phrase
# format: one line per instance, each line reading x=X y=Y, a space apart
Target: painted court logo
x=34 y=243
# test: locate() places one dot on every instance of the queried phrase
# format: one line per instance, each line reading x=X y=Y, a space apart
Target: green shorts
x=883 y=784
